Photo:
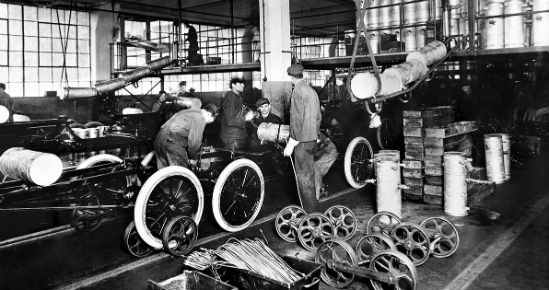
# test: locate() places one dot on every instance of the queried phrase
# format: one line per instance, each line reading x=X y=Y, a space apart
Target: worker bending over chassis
x=181 y=137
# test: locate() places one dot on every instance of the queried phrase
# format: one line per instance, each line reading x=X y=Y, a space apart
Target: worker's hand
x=249 y=115
x=193 y=161
x=290 y=147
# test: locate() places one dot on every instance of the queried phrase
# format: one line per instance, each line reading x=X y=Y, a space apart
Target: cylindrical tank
x=493 y=27
x=454 y=22
x=385 y=13
x=540 y=23
x=395 y=13
x=421 y=36
x=437 y=10
x=372 y=17
x=422 y=11
x=33 y=166
x=455 y=184
x=514 y=25
x=506 y=147
x=464 y=24
x=410 y=39
x=388 y=195
x=493 y=146
x=374 y=42
x=409 y=13
x=395 y=154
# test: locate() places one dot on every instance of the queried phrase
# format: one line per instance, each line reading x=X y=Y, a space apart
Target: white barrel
x=37 y=167
x=365 y=85
x=455 y=184
x=409 y=11
x=374 y=42
x=422 y=11
x=395 y=13
x=272 y=132
x=388 y=195
x=514 y=25
x=385 y=13
x=410 y=39
x=421 y=36
x=493 y=146
x=540 y=5
x=540 y=23
x=506 y=147
x=372 y=17
x=493 y=27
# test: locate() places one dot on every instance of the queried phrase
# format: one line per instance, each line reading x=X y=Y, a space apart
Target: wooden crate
x=414 y=193
x=412 y=173
x=414 y=155
x=412 y=164
x=433 y=199
x=433 y=189
x=434 y=180
x=411 y=181
x=452 y=129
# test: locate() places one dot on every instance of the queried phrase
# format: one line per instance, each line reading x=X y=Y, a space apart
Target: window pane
x=16 y=74
x=83 y=18
x=14 y=11
x=72 y=31
x=57 y=59
x=16 y=89
x=71 y=45
x=3 y=26
x=84 y=74
x=30 y=13
x=16 y=58
x=31 y=28
x=71 y=60
x=44 y=29
x=45 y=60
x=32 y=89
x=44 y=14
x=16 y=27
x=83 y=32
x=83 y=46
x=44 y=74
x=3 y=58
x=31 y=44
x=31 y=74
x=83 y=60
x=3 y=42
x=3 y=10
x=31 y=59
x=45 y=44
x=57 y=74
x=16 y=43
x=56 y=45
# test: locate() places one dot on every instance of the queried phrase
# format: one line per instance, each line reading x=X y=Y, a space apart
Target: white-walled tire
x=157 y=202
x=239 y=190
x=357 y=163
x=96 y=159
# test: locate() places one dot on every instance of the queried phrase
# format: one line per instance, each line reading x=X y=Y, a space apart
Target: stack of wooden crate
x=428 y=133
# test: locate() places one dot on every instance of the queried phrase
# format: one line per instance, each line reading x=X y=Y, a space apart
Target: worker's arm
x=196 y=132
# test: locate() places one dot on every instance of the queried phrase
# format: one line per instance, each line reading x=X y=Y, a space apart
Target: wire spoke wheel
x=344 y=221
x=372 y=244
x=87 y=219
x=397 y=265
x=134 y=244
x=411 y=240
x=337 y=251
x=238 y=195
x=442 y=229
x=382 y=222
x=171 y=191
x=314 y=229
x=179 y=235
x=287 y=221
x=357 y=163
x=386 y=134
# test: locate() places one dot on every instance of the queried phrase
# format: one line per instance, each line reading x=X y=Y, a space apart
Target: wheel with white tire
x=357 y=164
x=238 y=195
x=169 y=192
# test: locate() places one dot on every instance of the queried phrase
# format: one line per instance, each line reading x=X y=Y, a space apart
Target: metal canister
x=409 y=11
x=493 y=27
x=372 y=17
x=421 y=36
x=464 y=23
x=540 y=22
x=514 y=25
x=374 y=42
x=410 y=39
x=506 y=147
x=454 y=22
x=395 y=13
x=385 y=13
x=422 y=11
x=438 y=9
x=493 y=146
x=388 y=195
x=455 y=184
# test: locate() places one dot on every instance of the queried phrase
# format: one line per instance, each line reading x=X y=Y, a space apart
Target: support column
x=276 y=53
x=101 y=36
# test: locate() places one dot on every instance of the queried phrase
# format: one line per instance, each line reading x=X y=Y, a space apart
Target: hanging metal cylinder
x=385 y=13
x=395 y=13
x=110 y=85
x=160 y=63
x=493 y=27
x=506 y=148
x=455 y=184
x=75 y=93
x=388 y=195
x=37 y=167
x=429 y=54
x=272 y=132
x=410 y=39
x=136 y=74
x=493 y=146
x=422 y=11
x=540 y=22
x=366 y=85
x=514 y=25
x=409 y=11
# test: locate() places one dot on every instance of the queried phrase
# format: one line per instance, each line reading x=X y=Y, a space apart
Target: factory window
x=135 y=30
x=43 y=48
x=160 y=34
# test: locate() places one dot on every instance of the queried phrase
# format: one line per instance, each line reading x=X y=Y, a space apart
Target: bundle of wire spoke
x=255 y=256
x=200 y=259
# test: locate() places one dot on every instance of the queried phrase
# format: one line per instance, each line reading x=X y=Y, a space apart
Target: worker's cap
x=212 y=108
x=261 y=102
x=182 y=83
x=295 y=69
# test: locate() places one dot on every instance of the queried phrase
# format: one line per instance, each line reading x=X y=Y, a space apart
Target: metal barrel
x=159 y=63
x=75 y=93
x=438 y=10
x=385 y=13
x=110 y=85
x=395 y=13
x=422 y=11
x=409 y=11
x=514 y=25
x=374 y=42
x=540 y=22
x=410 y=39
x=506 y=147
x=455 y=184
x=388 y=195
x=372 y=16
x=493 y=146
x=421 y=36
x=493 y=27
x=454 y=22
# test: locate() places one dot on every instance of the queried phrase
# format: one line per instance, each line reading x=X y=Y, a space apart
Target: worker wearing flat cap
x=263 y=105
x=234 y=117
x=305 y=120
x=180 y=138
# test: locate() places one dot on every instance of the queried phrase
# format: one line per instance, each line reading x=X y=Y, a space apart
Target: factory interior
x=274 y=144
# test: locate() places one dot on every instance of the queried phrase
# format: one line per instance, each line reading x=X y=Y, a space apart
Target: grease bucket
x=388 y=195
x=395 y=154
x=514 y=25
x=455 y=184
x=493 y=146
x=506 y=147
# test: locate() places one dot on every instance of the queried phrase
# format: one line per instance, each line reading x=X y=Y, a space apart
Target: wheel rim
x=134 y=244
x=397 y=265
x=344 y=221
x=383 y=223
x=338 y=251
x=386 y=134
x=314 y=230
x=371 y=245
x=180 y=235
x=446 y=232
x=287 y=221
x=87 y=219
x=412 y=241
x=358 y=167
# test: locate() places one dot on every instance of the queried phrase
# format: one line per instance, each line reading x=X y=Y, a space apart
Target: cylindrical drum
x=273 y=132
x=506 y=147
x=422 y=11
x=388 y=195
x=385 y=13
x=374 y=42
x=454 y=22
x=540 y=22
x=493 y=146
x=395 y=154
x=421 y=36
x=110 y=85
x=37 y=167
x=493 y=27
x=438 y=9
x=464 y=24
x=514 y=25
x=410 y=39
x=409 y=11
x=395 y=13
x=455 y=184
x=372 y=17
x=540 y=5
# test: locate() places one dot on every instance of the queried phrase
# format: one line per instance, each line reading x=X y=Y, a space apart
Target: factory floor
x=509 y=252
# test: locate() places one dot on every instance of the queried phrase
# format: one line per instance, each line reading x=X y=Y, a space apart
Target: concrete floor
x=509 y=253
